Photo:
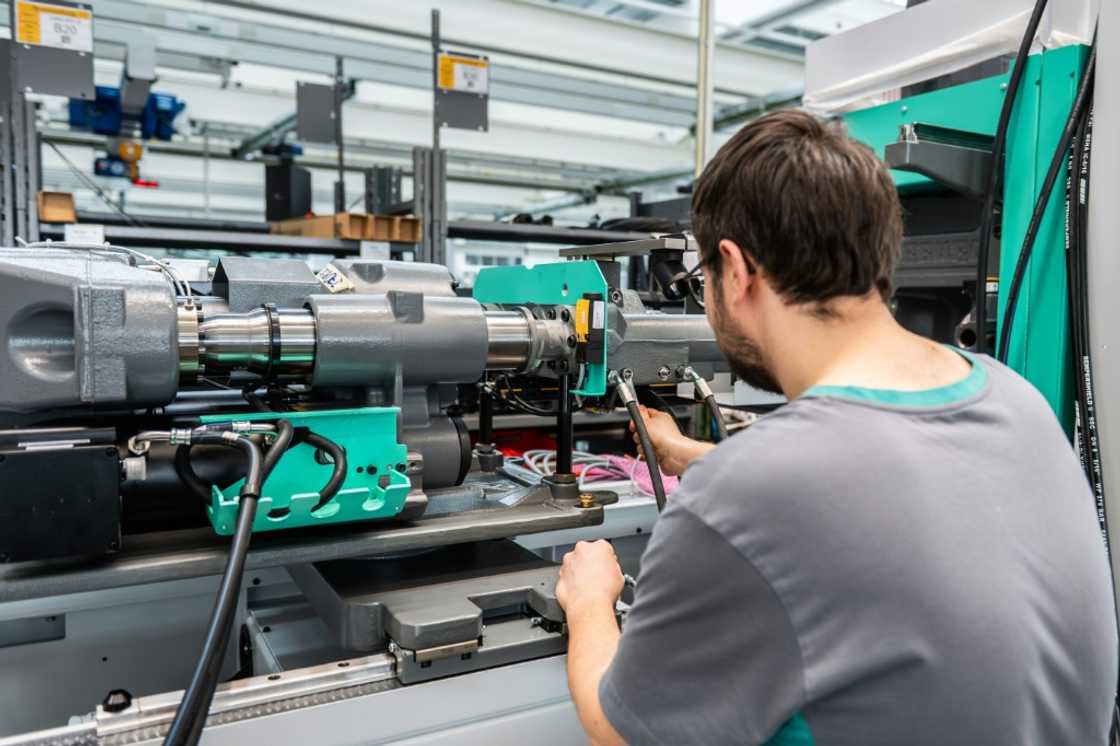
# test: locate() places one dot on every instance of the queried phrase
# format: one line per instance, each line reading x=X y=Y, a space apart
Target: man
x=906 y=553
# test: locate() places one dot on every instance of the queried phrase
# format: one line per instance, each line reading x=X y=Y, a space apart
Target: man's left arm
x=708 y=654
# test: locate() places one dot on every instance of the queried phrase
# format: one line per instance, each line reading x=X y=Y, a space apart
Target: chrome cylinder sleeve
x=267 y=341
x=519 y=341
x=187 y=330
x=510 y=341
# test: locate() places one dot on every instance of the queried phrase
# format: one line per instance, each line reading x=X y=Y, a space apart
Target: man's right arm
x=675 y=451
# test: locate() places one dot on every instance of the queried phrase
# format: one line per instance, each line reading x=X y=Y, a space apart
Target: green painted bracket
x=560 y=283
x=375 y=487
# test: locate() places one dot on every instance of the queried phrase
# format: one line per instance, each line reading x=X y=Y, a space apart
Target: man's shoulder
x=777 y=455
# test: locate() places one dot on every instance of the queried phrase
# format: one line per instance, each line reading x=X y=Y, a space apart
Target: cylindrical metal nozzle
x=510 y=340
x=266 y=341
x=519 y=341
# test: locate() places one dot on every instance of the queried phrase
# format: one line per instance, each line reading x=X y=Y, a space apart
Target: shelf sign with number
x=54 y=25
x=464 y=74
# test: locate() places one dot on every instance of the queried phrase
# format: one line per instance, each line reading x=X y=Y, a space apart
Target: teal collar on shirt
x=941 y=396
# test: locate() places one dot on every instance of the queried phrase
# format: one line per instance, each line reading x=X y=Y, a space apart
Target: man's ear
x=739 y=270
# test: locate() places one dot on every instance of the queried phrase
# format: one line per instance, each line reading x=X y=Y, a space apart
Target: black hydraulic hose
x=338 y=475
x=1060 y=153
x=188 y=476
x=648 y=452
x=980 y=312
x=190 y=717
x=717 y=416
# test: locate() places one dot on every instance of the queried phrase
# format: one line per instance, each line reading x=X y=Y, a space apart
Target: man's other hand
x=674 y=450
x=589 y=577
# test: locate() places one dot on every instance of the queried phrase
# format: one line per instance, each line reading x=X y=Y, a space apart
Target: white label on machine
x=464 y=74
x=597 y=315
x=58 y=26
x=84 y=233
x=333 y=280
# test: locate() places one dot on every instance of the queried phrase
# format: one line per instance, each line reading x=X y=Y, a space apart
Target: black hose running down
x=1080 y=106
x=188 y=476
x=190 y=717
x=717 y=416
x=648 y=452
x=980 y=312
x=338 y=476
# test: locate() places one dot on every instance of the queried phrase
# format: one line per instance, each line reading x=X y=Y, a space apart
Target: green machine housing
x=1040 y=343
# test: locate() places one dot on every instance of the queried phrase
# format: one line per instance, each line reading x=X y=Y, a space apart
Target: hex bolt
x=572 y=340
x=615 y=296
x=551 y=313
x=586 y=500
x=663 y=372
x=117 y=700
x=565 y=314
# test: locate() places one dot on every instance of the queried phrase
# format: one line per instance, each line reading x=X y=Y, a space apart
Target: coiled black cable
x=649 y=452
x=194 y=707
x=980 y=311
x=1080 y=106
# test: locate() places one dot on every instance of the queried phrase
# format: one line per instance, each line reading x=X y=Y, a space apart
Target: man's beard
x=743 y=354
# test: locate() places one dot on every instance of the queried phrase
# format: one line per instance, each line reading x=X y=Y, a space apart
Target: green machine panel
x=1040 y=345
x=375 y=485
x=560 y=283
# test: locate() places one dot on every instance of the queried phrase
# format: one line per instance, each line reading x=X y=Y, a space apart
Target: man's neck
x=859 y=344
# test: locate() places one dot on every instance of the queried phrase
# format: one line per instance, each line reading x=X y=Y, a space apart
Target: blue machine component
x=105 y=116
x=111 y=165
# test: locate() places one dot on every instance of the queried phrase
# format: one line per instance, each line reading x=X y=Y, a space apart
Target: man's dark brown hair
x=815 y=208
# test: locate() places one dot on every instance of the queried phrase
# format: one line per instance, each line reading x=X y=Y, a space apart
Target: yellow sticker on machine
x=583 y=319
x=464 y=74
x=51 y=25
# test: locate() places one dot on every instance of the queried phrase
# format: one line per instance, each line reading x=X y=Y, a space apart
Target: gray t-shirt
x=868 y=567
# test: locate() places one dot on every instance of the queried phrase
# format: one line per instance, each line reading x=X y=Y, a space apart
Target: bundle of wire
x=593 y=468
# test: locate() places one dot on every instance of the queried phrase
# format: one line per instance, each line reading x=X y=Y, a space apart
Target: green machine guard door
x=560 y=283
x=375 y=487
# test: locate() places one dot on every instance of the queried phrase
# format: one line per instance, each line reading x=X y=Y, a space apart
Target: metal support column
x=564 y=428
x=18 y=159
x=1104 y=262
x=435 y=77
x=7 y=184
x=705 y=60
x=339 y=97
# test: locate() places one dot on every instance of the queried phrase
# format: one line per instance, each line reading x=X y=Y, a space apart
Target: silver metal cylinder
x=510 y=340
x=236 y=341
x=263 y=341
x=187 y=330
x=297 y=341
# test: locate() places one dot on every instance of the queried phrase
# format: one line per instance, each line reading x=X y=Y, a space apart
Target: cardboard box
x=396 y=228
x=353 y=226
x=57 y=207
x=349 y=225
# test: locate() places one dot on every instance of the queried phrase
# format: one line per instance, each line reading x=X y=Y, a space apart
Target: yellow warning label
x=59 y=26
x=466 y=74
x=583 y=319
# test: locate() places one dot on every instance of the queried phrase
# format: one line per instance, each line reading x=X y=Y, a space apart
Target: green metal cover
x=375 y=485
x=560 y=283
x=1039 y=347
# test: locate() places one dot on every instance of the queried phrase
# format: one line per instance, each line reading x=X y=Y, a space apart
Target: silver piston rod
x=274 y=342
x=267 y=341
